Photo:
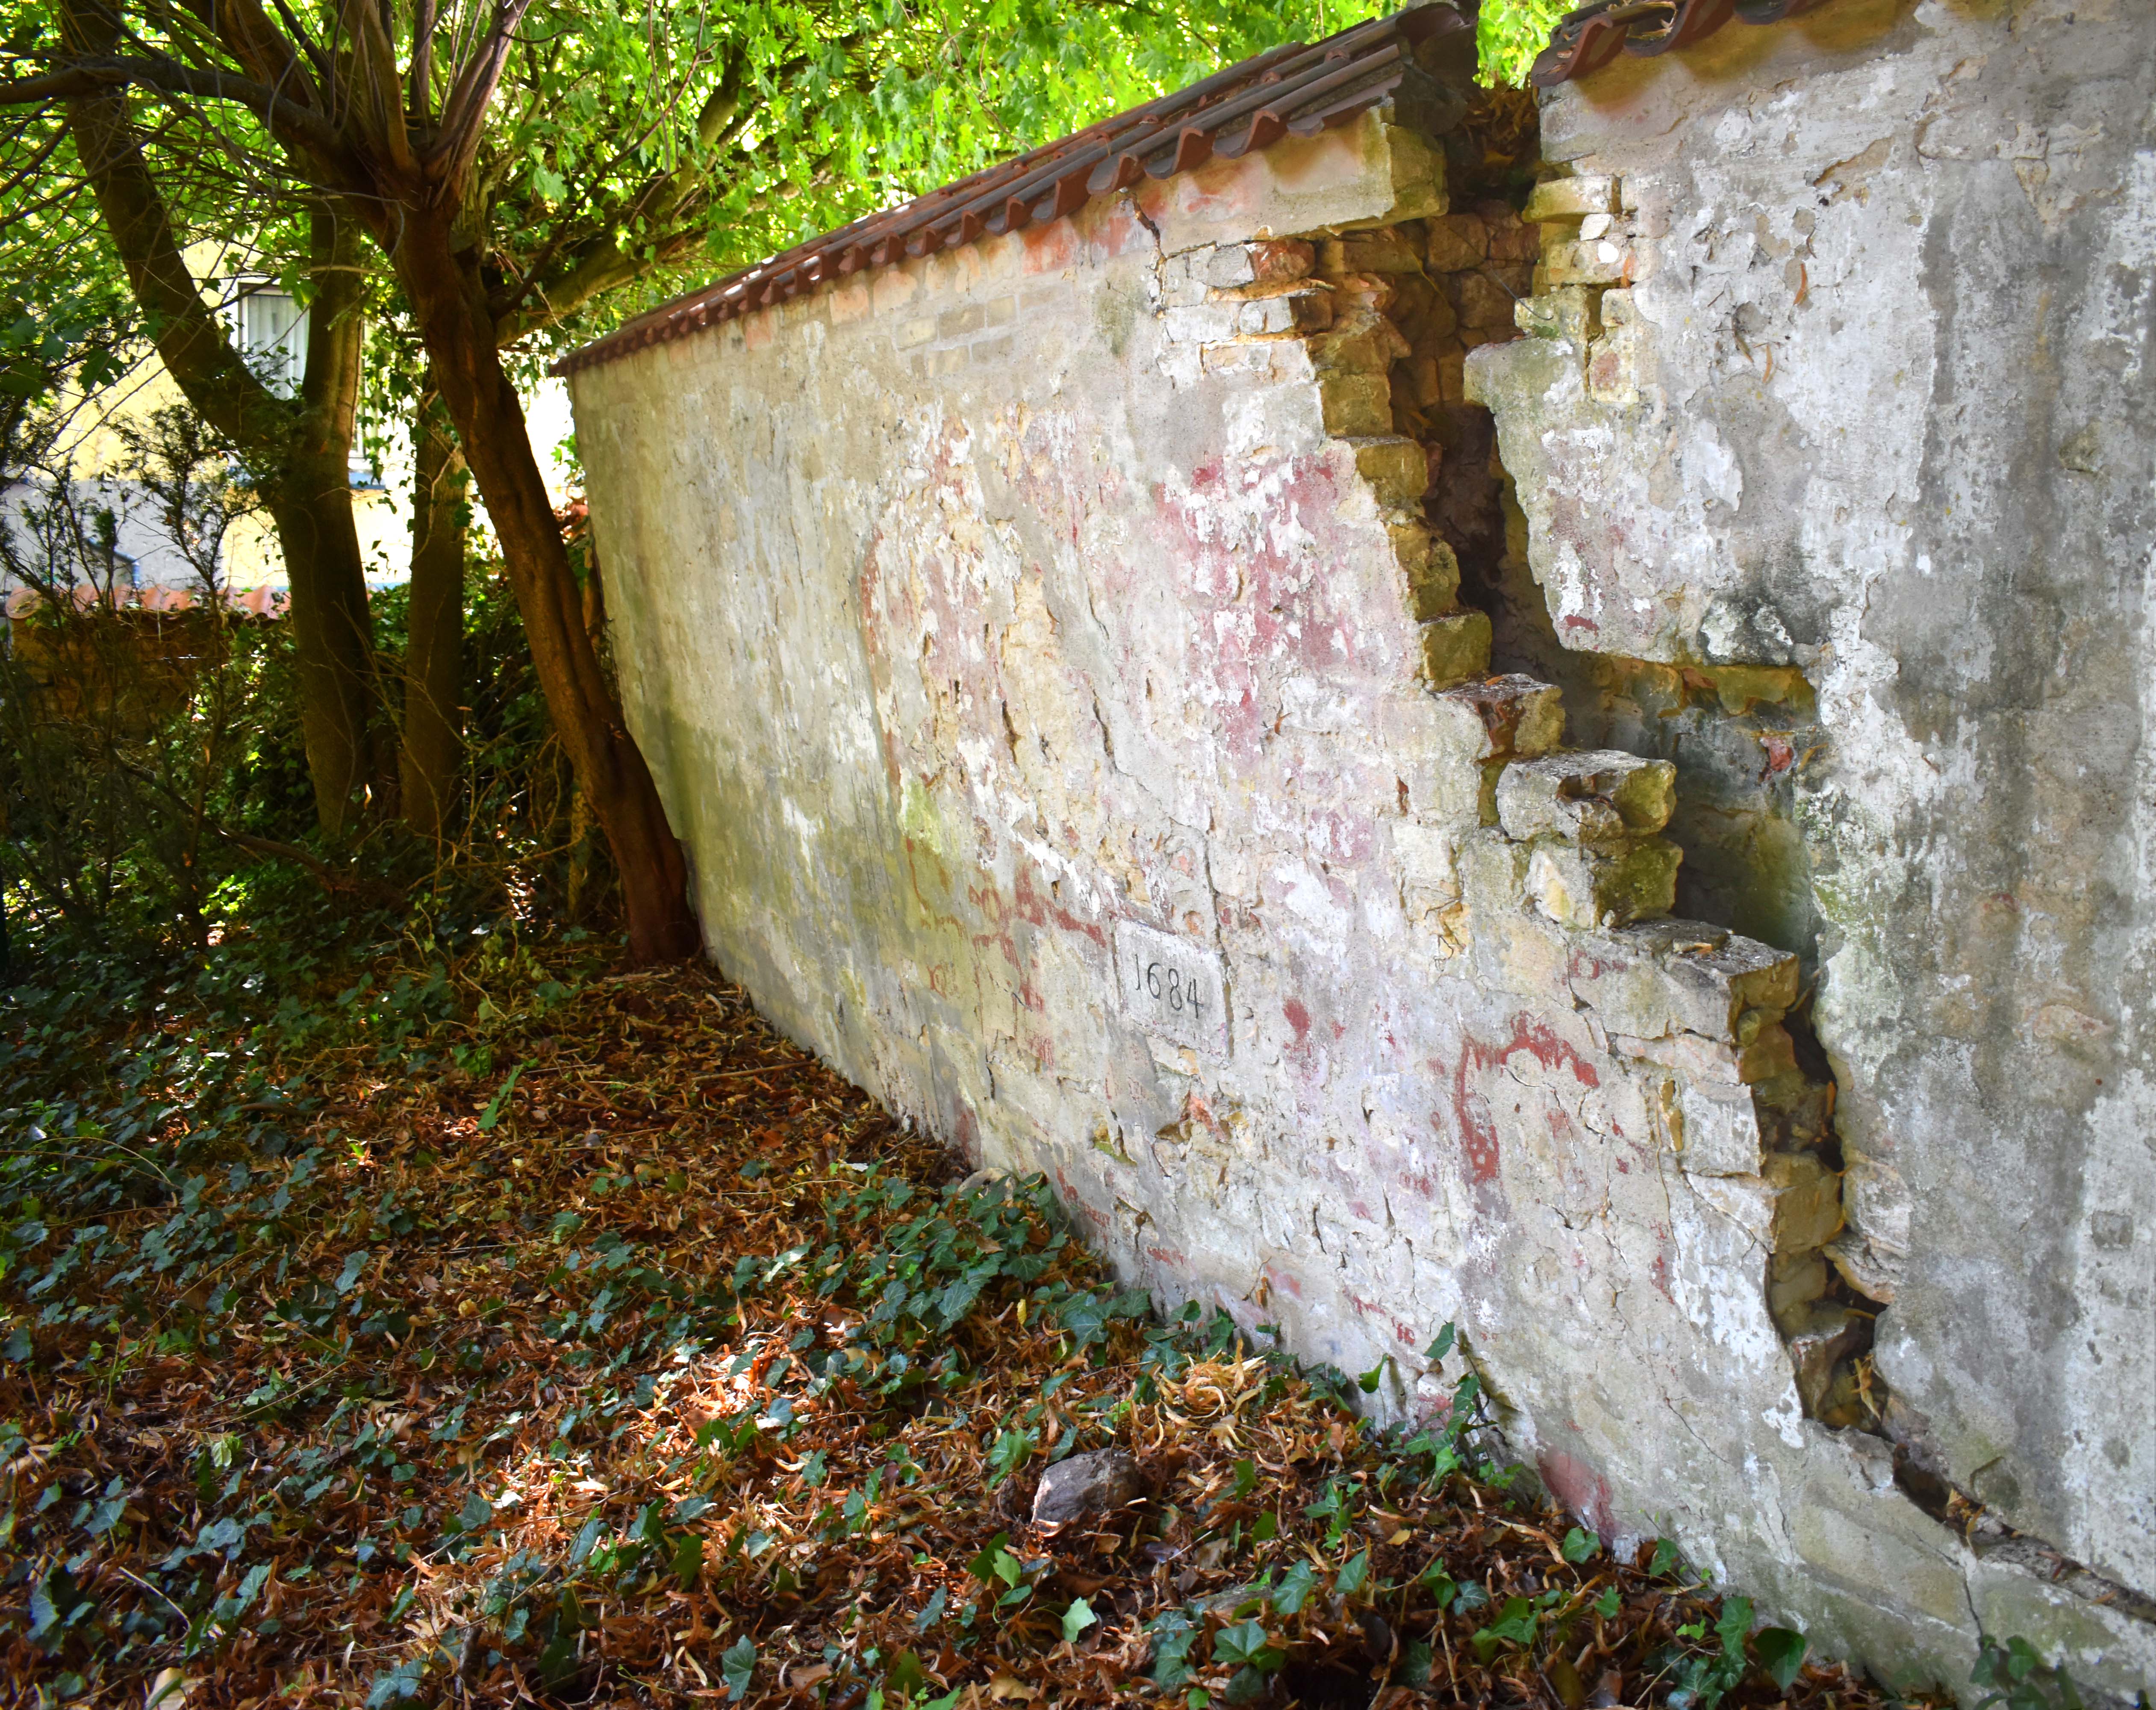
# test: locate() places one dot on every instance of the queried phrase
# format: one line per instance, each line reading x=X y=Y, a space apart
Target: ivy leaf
x=1665 y=1559
x=905 y=1674
x=348 y=1277
x=1353 y=1575
x=1781 y=1653
x=1173 y=1636
x=1077 y=1618
x=1579 y=1546
x=1735 y=1622
x=982 y=1567
x=737 y=1665
x=1012 y=1451
x=492 y=1114
x=1436 y=1352
x=1515 y=1624
x=1247 y=1645
x=1294 y=1588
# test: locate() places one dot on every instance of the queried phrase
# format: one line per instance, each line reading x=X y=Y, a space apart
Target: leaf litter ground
x=622 y=1354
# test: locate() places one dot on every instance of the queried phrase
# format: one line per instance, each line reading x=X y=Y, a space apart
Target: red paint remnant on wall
x=1278 y=1282
x=1298 y=1018
x=1258 y=601
x=1582 y=1490
x=1078 y=1203
x=1478 y=1129
x=1196 y=1111
x=1049 y=249
x=1401 y=1332
x=1039 y=908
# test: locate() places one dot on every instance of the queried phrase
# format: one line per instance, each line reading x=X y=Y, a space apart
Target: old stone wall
x=1834 y=441
x=1052 y=654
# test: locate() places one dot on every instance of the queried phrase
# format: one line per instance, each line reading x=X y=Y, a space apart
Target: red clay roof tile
x=1588 y=39
x=1292 y=90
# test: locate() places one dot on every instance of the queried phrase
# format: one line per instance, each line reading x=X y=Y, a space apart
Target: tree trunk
x=312 y=506
x=298 y=449
x=450 y=304
x=434 y=648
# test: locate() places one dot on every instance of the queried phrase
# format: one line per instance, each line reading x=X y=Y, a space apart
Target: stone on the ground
x=1085 y=1487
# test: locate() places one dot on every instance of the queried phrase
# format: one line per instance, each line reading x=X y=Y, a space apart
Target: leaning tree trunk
x=450 y=304
x=434 y=649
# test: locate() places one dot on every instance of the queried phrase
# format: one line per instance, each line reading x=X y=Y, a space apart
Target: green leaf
x=1735 y=1621
x=492 y=1114
x=1012 y=1451
x=982 y=1567
x=476 y=1512
x=1247 y=1645
x=1665 y=1559
x=348 y=1277
x=688 y=1563
x=1173 y=1634
x=737 y=1666
x=1353 y=1575
x=1416 y=1664
x=905 y=1674
x=1607 y=1603
x=1246 y=1479
x=1294 y=1588
x=401 y=1682
x=1436 y=1352
x=1515 y=1624
x=250 y=1589
x=1781 y=1653
x=1077 y=1618
x=1579 y=1546
x=1369 y=1381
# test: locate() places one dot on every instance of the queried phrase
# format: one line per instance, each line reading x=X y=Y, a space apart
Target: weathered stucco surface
x=1043 y=653
x=1866 y=392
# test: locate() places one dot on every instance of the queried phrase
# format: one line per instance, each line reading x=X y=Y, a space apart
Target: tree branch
x=286 y=121
x=423 y=62
x=194 y=348
x=464 y=115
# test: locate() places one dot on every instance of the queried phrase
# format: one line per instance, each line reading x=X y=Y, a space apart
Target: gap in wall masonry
x=1740 y=738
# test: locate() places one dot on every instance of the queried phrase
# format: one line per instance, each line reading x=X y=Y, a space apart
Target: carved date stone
x=1172 y=988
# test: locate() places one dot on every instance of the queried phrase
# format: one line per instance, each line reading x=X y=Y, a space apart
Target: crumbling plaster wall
x=1844 y=364
x=1042 y=652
